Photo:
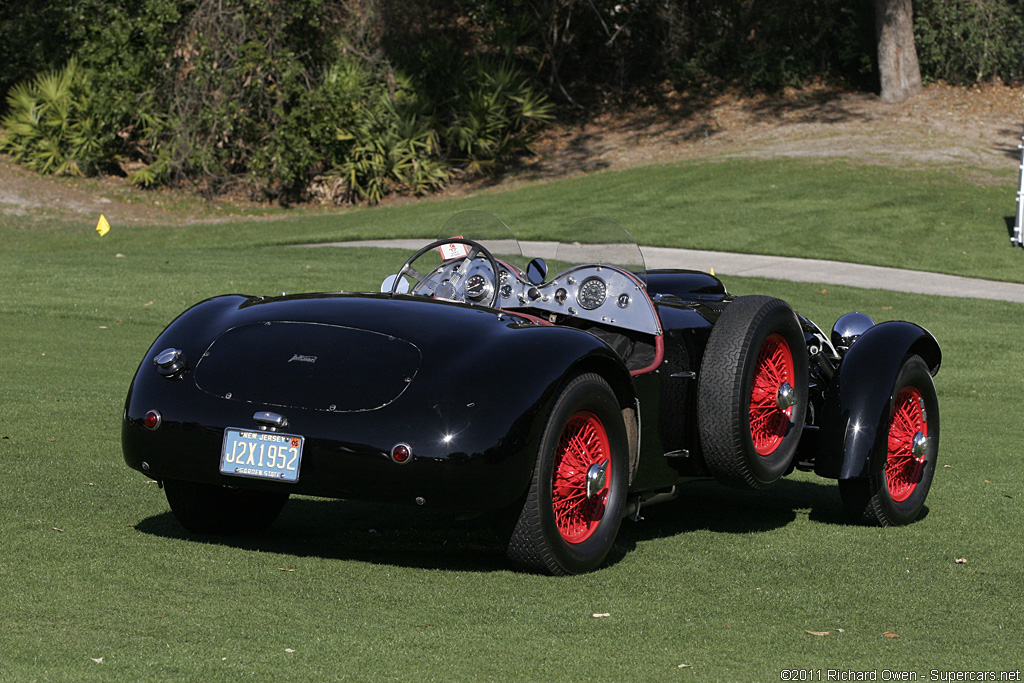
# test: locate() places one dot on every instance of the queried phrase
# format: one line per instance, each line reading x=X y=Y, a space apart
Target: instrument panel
x=601 y=294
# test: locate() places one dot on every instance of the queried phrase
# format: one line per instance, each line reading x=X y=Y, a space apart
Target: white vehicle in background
x=1017 y=239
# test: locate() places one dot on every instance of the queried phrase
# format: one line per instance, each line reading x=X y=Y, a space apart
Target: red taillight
x=152 y=420
x=401 y=453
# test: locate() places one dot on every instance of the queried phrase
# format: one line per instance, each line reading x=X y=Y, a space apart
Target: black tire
x=575 y=539
x=894 y=492
x=742 y=451
x=206 y=509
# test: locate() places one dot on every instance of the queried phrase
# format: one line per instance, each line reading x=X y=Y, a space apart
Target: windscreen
x=599 y=241
x=488 y=230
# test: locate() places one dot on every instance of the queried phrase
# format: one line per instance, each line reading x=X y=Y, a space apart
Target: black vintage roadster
x=571 y=389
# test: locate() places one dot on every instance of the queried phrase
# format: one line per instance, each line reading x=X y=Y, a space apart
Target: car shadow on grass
x=364 y=532
x=421 y=538
x=710 y=506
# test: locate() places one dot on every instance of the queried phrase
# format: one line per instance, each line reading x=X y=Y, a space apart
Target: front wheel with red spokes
x=907 y=444
x=576 y=498
x=903 y=459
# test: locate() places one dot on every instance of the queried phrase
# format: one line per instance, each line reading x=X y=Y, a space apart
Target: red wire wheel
x=752 y=392
x=909 y=423
x=769 y=422
x=582 y=446
x=902 y=460
x=577 y=495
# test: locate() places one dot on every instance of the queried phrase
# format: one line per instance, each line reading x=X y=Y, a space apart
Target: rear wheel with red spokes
x=576 y=499
x=579 y=487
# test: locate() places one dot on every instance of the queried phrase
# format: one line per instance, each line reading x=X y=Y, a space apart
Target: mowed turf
x=98 y=582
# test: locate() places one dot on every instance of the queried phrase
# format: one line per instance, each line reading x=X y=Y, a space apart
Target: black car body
x=572 y=400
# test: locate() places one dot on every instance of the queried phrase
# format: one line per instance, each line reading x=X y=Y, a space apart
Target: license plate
x=261 y=455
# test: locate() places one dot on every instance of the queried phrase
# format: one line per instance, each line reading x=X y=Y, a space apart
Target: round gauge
x=592 y=293
x=477 y=287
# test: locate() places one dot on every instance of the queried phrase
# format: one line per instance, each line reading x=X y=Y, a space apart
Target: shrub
x=264 y=95
x=969 y=41
x=239 y=74
x=53 y=124
x=765 y=45
x=493 y=114
x=391 y=152
x=382 y=140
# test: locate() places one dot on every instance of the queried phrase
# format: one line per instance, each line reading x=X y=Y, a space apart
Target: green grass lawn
x=727 y=583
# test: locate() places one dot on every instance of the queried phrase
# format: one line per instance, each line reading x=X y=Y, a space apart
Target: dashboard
x=601 y=294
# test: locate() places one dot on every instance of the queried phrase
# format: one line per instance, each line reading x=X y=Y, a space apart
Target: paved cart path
x=782 y=268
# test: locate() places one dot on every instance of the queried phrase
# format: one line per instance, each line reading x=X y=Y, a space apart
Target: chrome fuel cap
x=170 y=362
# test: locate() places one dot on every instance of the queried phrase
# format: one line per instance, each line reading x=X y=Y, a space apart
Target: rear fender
x=512 y=381
x=857 y=402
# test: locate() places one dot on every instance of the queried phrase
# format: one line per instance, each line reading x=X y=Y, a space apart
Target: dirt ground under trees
x=974 y=130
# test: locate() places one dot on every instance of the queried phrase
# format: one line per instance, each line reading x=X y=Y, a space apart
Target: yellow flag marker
x=102 y=227
x=712 y=270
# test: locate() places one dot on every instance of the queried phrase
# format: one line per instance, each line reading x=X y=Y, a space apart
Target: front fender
x=857 y=402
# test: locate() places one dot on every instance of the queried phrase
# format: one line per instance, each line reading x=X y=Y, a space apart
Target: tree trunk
x=898 y=69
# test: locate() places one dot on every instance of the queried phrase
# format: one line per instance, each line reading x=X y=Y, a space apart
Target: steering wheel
x=431 y=285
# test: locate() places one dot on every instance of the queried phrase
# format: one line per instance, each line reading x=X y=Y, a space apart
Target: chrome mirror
x=537 y=271
x=389 y=286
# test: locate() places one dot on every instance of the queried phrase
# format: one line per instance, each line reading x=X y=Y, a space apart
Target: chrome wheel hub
x=786 y=398
x=920 y=448
x=597 y=475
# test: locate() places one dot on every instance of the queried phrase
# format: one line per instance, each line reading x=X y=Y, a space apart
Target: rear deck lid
x=306 y=365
